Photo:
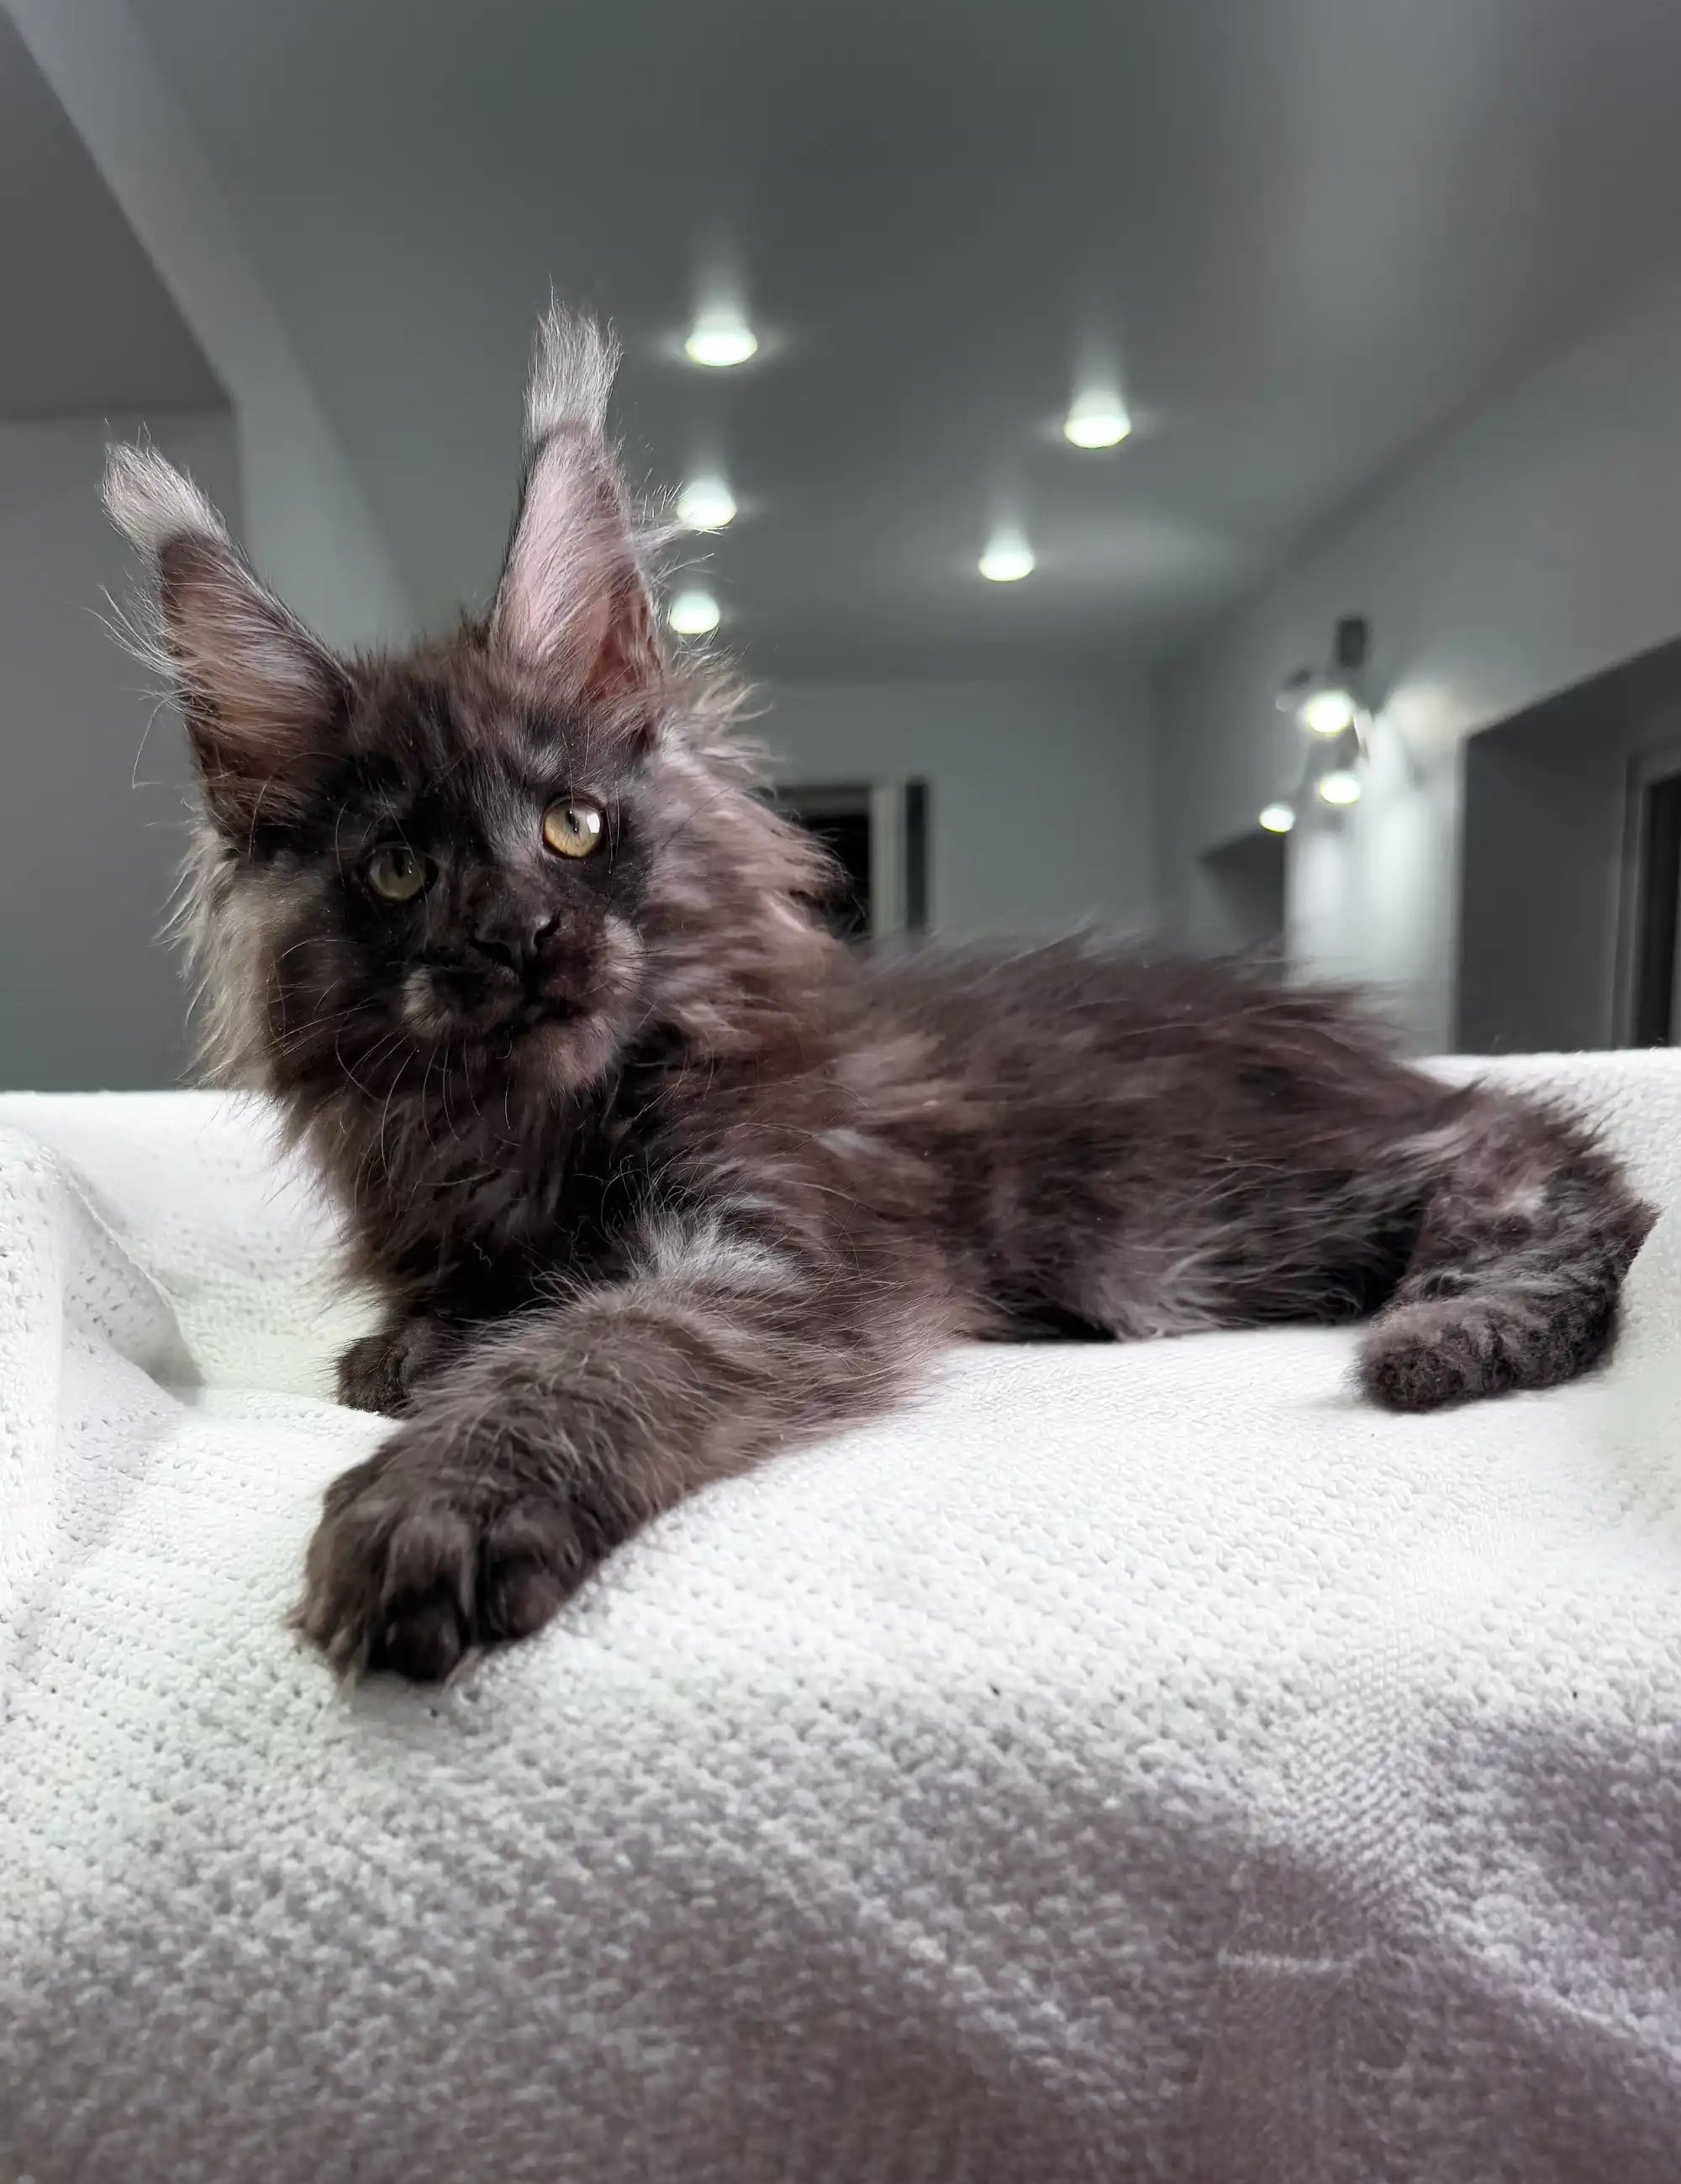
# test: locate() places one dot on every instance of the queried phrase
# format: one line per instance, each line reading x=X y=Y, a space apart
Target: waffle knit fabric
x=1125 y=1763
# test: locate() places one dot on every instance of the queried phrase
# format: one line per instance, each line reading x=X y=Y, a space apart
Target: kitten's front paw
x=415 y=1563
x=382 y=1371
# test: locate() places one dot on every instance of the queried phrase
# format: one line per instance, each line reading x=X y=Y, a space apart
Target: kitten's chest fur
x=487 y=1203
x=462 y=1200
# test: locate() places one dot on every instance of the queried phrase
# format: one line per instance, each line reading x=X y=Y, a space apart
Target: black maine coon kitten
x=656 y=1178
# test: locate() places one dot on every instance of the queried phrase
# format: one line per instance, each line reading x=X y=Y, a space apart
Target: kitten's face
x=463 y=883
x=486 y=864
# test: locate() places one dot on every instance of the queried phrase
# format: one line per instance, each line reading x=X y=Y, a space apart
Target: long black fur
x=655 y=1177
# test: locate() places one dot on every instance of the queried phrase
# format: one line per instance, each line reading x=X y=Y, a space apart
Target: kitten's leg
x=553 y=1440
x=1527 y=1231
x=384 y=1371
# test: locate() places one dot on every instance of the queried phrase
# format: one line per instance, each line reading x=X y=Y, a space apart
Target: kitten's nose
x=515 y=946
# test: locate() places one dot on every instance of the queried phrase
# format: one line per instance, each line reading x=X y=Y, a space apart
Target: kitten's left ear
x=572 y=598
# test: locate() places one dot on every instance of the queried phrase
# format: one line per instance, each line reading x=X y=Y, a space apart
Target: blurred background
x=1211 y=466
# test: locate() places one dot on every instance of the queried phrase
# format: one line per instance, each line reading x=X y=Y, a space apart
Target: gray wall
x=91 y=822
x=1537 y=545
x=305 y=522
x=1042 y=794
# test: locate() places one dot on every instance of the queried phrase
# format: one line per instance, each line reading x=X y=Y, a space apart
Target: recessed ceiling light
x=705 y=503
x=1008 y=557
x=1096 y=418
x=1339 y=786
x=693 y=614
x=1277 y=818
x=1328 y=712
x=719 y=337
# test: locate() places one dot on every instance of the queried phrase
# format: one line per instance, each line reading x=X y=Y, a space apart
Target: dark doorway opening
x=1247 y=878
x=1652 y=912
x=878 y=834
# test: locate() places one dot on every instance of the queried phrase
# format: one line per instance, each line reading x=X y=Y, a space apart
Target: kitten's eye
x=575 y=826
x=396 y=873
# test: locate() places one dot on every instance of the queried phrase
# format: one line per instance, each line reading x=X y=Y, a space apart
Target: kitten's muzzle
x=523 y=984
x=504 y=981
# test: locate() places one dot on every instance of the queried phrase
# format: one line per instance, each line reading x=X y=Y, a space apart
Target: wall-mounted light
x=1328 y=712
x=1341 y=786
x=1329 y=700
x=1329 y=704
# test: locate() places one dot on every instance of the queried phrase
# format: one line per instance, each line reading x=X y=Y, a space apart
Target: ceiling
x=89 y=328
x=1316 y=230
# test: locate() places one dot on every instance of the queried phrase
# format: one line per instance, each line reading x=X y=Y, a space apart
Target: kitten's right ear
x=573 y=598
x=260 y=696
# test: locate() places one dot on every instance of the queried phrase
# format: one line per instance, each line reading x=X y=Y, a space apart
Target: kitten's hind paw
x=382 y=1371
x=1422 y=1356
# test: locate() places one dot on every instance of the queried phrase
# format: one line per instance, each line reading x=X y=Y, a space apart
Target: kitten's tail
x=1528 y=1228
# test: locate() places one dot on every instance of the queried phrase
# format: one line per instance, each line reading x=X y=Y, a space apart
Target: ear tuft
x=572 y=600
x=573 y=365
x=152 y=502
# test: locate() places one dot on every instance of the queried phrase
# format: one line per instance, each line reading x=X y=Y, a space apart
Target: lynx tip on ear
x=572 y=364
x=152 y=502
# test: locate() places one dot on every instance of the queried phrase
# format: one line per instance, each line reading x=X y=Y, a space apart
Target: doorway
x=877 y=831
x=1246 y=880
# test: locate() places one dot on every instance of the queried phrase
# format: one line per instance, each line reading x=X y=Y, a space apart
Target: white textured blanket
x=1130 y=1763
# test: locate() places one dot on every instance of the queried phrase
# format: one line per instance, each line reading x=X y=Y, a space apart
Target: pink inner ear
x=259 y=696
x=627 y=657
x=572 y=597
